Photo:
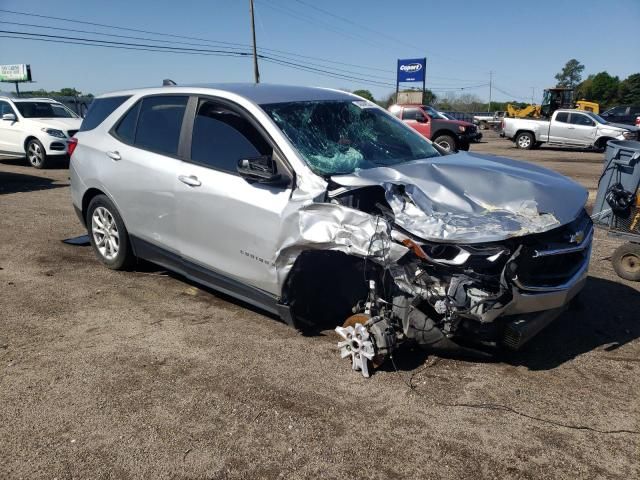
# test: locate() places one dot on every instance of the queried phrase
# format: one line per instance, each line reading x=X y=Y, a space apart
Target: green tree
x=629 y=90
x=571 y=74
x=364 y=94
x=604 y=88
x=69 y=92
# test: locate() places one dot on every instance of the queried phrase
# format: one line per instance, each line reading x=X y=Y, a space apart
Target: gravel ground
x=142 y=374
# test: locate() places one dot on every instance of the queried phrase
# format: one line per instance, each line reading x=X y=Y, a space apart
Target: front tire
x=446 y=142
x=525 y=141
x=36 y=154
x=626 y=261
x=108 y=235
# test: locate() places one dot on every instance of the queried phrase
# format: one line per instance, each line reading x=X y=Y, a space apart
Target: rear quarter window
x=100 y=109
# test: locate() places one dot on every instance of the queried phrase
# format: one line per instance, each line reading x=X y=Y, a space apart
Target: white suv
x=36 y=127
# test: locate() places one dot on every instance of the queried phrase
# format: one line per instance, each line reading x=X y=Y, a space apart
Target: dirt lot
x=143 y=375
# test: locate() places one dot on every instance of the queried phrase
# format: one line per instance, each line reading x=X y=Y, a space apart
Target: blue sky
x=523 y=43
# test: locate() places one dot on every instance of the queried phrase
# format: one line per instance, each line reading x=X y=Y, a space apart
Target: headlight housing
x=629 y=135
x=462 y=128
x=54 y=132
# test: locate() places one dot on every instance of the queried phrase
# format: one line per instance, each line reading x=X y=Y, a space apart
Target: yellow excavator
x=552 y=100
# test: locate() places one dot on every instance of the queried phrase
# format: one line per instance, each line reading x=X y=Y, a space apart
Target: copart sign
x=411 y=70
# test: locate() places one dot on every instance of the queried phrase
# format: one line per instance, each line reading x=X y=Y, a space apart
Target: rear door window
x=100 y=109
x=126 y=129
x=222 y=136
x=159 y=123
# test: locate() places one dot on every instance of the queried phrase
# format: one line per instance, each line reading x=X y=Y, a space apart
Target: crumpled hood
x=473 y=198
x=622 y=126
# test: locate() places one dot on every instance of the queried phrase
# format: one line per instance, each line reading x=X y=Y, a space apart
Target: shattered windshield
x=339 y=137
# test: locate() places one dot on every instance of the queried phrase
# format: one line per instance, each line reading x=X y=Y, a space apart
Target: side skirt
x=205 y=276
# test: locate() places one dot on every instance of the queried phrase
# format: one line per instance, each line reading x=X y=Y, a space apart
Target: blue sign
x=411 y=70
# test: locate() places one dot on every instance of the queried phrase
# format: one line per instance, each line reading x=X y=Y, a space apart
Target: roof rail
x=167 y=82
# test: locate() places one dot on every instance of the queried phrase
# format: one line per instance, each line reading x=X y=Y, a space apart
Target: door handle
x=190 y=180
x=571 y=128
x=114 y=155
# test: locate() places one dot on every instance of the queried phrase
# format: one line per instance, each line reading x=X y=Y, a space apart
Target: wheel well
x=602 y=142
x=86 y=199
x=323 y=287
x=445 y=132
x=26 y=141
x=525 y=131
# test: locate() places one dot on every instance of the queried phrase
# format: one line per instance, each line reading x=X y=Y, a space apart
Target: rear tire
x=36 y=154
x=446 y=142
x=108 y=235
x=626 y=261
x=525 y=141
x=483 y=125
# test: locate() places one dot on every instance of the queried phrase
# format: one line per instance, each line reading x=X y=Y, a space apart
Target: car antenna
x=167 y=82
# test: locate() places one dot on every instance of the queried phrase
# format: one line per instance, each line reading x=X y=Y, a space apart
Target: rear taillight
x=637 y=121
x=71 y=145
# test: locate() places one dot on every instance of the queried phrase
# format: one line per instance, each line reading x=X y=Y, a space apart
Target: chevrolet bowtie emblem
x=577 y=237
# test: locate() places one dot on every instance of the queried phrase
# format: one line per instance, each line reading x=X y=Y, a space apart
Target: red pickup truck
x=451 y=135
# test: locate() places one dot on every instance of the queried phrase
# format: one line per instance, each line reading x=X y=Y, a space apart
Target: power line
x=180 y=50
x=247 y=50
x=209 y=41
x=243 y=48
x=378 y=32
x=351 y=22
x=320 y=23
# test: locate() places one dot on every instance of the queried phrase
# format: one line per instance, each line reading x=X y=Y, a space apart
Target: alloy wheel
x=105 y=233
x=524 y=141
x=35 y=155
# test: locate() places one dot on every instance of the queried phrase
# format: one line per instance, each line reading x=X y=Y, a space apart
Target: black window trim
x=185 y=118
x=185 y=141
x=11 y=107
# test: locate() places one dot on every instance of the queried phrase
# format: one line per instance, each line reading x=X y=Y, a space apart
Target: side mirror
x=259 y=169
x=9 y=117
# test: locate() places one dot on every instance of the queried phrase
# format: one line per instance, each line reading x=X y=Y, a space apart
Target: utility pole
x=490 y=87
x=256 y=74
x=533 y=95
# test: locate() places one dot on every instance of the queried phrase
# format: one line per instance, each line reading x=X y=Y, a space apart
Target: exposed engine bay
x=459 y=297
x=462 y=297
x=464 y=254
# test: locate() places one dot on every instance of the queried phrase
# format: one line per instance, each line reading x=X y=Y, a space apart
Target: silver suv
x=320 y=207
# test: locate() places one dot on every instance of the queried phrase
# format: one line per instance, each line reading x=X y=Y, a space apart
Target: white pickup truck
x=486 y=120
x=567 y=128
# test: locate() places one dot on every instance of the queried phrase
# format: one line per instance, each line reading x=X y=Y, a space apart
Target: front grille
x=72 y=132
x=554 y=258
x=550 y=271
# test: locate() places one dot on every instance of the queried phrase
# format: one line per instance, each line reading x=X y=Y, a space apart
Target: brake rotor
x=358 y=344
